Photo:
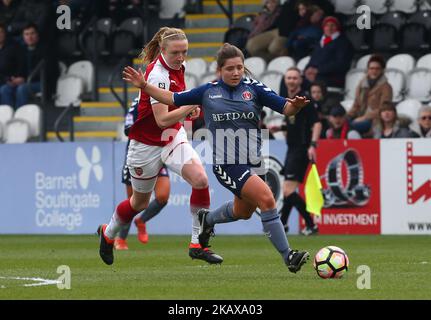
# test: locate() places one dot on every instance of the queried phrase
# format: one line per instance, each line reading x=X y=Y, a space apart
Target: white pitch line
x=42 y=282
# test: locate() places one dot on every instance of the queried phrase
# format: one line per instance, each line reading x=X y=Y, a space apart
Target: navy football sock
x=153 y=209
x=222 y=214
x=124 y=231
x=274 y=230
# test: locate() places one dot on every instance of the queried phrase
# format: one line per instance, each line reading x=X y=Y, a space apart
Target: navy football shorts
x=233 y=176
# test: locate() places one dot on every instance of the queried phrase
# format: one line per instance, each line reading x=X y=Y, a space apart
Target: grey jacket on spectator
x=398 y=131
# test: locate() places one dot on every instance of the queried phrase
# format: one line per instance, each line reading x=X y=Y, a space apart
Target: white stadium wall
x=405 y=168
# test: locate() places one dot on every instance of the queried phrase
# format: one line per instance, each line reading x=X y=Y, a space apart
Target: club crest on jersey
x=247 y=96
x=138 y=171
x=162 y=85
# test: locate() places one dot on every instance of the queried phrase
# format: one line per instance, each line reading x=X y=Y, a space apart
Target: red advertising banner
x=350 y=174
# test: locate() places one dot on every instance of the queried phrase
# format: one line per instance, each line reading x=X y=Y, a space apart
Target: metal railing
x=92 y=55
x=66 y=111
x=117 y=71
x=227 y=11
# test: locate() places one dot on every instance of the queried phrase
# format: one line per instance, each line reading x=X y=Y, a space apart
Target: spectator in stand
x=172 y=13
x=372 y=91
x=289 y=17
x=9 y=62
x=423 y=126
x=339 y=125
x=7 y=10
x=390 y=126
x=34 y=11
x=84 y=9
x=263 y=40
x=319 y=100
x=307 y=32
x=17 y=91
x=331 y=59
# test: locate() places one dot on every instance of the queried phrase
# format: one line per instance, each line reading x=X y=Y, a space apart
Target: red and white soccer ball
x=331 y=262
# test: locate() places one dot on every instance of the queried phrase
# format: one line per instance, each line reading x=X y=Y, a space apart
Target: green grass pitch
x=400 y=269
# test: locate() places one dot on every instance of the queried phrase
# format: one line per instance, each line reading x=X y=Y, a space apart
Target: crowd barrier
x=370 y=187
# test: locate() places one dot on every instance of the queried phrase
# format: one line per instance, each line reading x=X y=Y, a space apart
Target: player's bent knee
x=200 y=181
x=138 y=205
x=163 y=200
x=266 y=202
x=245 y=216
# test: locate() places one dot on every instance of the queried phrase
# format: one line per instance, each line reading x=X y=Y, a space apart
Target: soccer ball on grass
x=331 y=262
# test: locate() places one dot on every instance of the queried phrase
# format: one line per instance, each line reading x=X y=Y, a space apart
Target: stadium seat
x=302 y=64
x=403 y=62
x=105 y=25
x=409 y=108
x=393 y=18
x=272 y=80
x=269 y=113
x=208 y=77
x=275 y=119
x=281 y=64
x=6 y=114
x=406 y=6
x=124 y=44
x=384 y=38
x=256 y=65
x=376 y=6
x=424 y=5
x=196 y=66
x=421 y=17
x=237 y=37
x=17 y=131
x=347 y=104
x=102 y=45
x=67 y=45
x=244 y=22
x=62 y=67
x=31 y=113
x=419 y=85
x=135 y=26
x=353 y=77
x=85 y=70
x=191 y=80
x=414 y=38
x=397 y=80
x=67 y=41
x=424 y=61
x=362 y=63
x=358 y=38
x=212 y=67
x=69 y=91
x=345 y=6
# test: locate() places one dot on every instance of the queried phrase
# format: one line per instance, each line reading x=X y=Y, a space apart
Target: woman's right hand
x=134 y=77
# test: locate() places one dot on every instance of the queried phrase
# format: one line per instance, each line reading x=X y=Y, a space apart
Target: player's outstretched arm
x=293 y=106
x=137 y=79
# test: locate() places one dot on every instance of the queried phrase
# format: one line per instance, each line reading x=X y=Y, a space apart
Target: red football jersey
x=159 y=74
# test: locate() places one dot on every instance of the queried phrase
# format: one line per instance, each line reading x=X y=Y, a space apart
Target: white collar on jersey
x=168 y=63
